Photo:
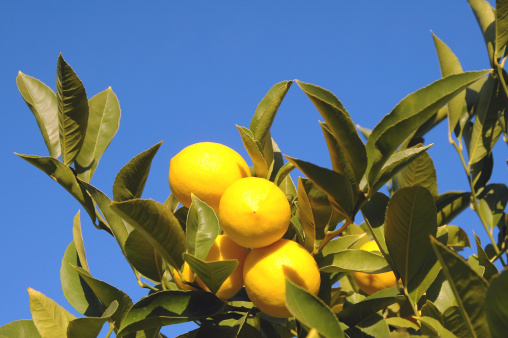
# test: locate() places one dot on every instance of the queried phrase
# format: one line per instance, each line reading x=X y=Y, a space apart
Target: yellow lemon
x=371 y=283
x=205 y=169
x=187 y=274
x=254 y=212
x=265 y=272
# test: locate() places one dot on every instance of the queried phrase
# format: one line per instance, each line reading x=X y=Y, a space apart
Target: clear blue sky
x=186 y=72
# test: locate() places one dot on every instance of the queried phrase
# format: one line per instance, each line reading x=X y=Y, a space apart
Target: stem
x=109 y=331
x=331 y=235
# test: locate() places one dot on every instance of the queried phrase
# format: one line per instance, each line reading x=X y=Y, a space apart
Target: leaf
x=336 y=186
x=288 y=188
x=457 y=237
x=90 y=327
x=202 y=228
x=483 y=260
x=420 y=172
x=496 y=305
x=103 y=123
x=283 y=173
x=307 y=218
x=65 y=177
x=486 y=17
x=42 y=102
x=354 y=260
x=78 y=241
x=364 y=131
x=353 y=155
x=450 y=65
x=254 y=148
x=374 y=325
x=158 y=225
x=451 y=204
x=311 y=311
x=501 y=27
x=492 y=202
x=266 y=110
x=108 y=294
x=50 y=318
x=142 y=256
x=20 y=329
x=75 y=289
x=411 y=113
x=340 y=244
x=170 y=307
x=130 y=180
x=410 y=219
x=374 y=211
x=72 y=111
x=395 y=163
x=213 y=274
x=468 y=287
x=431 y=326
x=454 y=322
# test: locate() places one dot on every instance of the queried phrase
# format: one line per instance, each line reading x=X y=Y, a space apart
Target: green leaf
x=373 y=326
x=374 y=211
x=288 y=187
x=42 y=102
x=78 y=241
x=20 y=329
x=65 y=177
x=440 y=293
x=450 y=65
x=454 y=322
x=170 y=307
x=496 y=305
x=131 y=179
x=266 y=110
x=103 y=123
x=108 y=294
x=142 y=256
x=364 y=131
x=340 y=244
x=307 y=218
x=451 y=204
x=501 y=27
x=457 y=237
x=283 y=173
x=158 y=225
x=352 y=154
x=395 y=163
x=72 y=111
x=410 y=219
x=483 y=260
x=50 y=318
x=90 y=327
x=336 y=186
x=74 y=287
x=254 y=148
x=486 y=17
x=431 y=326
x=420 y=172
x=492 y=201
x=213 y=274
x=311 y=311
x=468 y=287
x=354 y=260
x=202 y=228
x=410 y=114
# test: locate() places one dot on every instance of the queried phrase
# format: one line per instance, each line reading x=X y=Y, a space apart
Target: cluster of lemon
x=254 y=214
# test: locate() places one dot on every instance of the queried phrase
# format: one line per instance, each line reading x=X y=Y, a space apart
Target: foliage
x=439 y=292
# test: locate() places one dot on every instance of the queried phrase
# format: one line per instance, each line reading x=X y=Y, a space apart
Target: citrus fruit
x=205 y=169
x=265 y=272
x=371 y=283
x=187 y=274
x=254 y=212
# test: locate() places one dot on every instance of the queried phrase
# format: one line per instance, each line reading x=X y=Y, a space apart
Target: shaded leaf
x=457 y=237
x=78 y=241
x=213 y=274
x=486 y=17
x=496 y=305
x=440 y=293
x=373 y=326
x=354 y=260
x=501 y=27
x=454 y=322
x=451 y=204
x=254 y=148
x=142 y=256
x=420 y=172
x=492 y=202
x=90 y=327
x=374 y=211
x=72 y=111
x=42 y=102
x=20 y=329
x=307 y=218
x=103 y=123
x=431 y=326
x=483 y=260
x=130 y=180
x=202 y=228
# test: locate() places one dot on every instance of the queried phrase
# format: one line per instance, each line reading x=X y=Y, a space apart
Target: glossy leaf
x=72 y=111
x=354 y=260
x=451 y=204
x=42 y=102
x=501 y=27
x=340 y=244
x=74 y=288
x=254 y=149
x=496 y=305
x=486 y=17
x=170 y=307
x=158 y=225
x=130 y=180
x=202 y=228
x=351 y=150
x=213 y=274
x=103 y=123
x=431 y=326
x=411 y=113
x=492 y=202
x=410 y=219
x=468 y=287
x=311 y=311
x=90 y=327
x=20 y=329
x=307 y=218
x=142 y=256
x=78 y=240
x=65 y=177
x=420 y=172
x=450 y=65
x=50 y=318
x=288 y=187
x=374 y=325
x=483 y=260
x=440 y=293
x=283 y=173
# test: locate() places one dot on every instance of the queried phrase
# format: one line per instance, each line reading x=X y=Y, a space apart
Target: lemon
x=371 y=283
x=254 y=212
x=187 y=274
x=205 y=169
x=265 y=273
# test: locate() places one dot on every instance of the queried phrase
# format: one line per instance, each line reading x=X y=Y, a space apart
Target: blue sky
x=186 y=72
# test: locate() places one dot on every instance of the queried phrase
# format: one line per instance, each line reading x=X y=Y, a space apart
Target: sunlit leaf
x=307 y=218
x=103 y=122
x=213 y=274
x=457 y=237
x=254 y=149
x=420 y=172
x=42 y=102
x=20 y=329
x=340 y=244
x=283 y=173
x=492 y=202
x=451 y=204
x=496 y=305
x=50 y=318
x=202 y=228
x=90 y=327
x=354 y=260
x=486 y=17
x=78 y=240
